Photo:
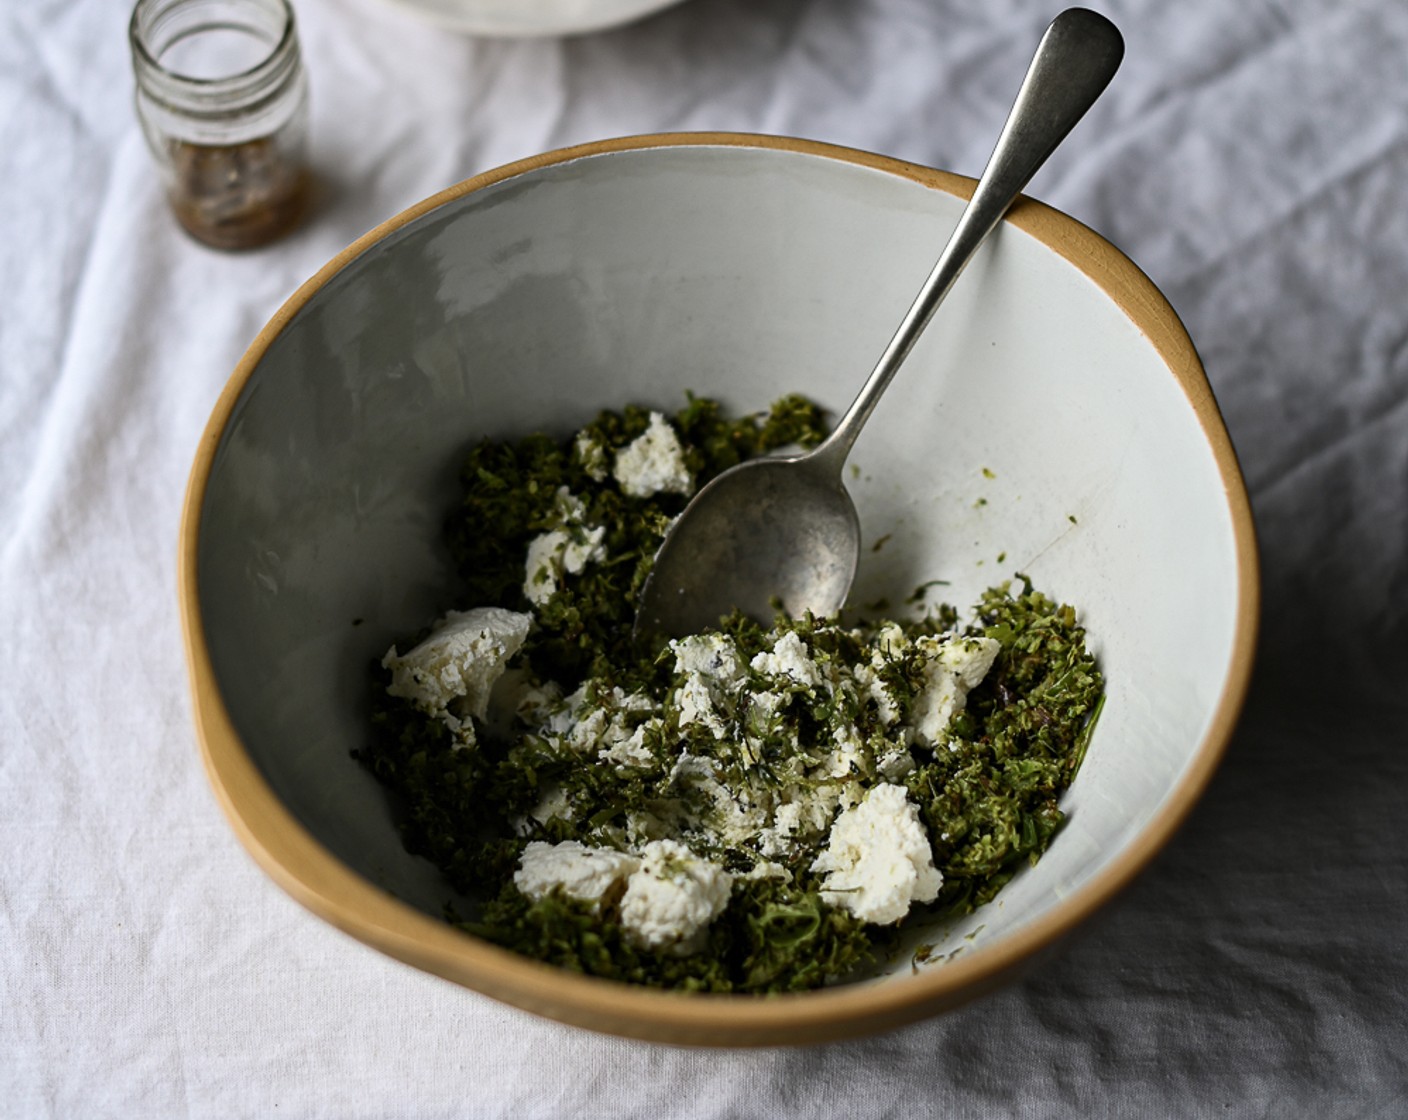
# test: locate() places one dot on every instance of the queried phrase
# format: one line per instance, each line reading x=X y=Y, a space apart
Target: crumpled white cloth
x=1252 y=157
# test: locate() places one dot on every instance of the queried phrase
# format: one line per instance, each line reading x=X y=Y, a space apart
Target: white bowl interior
x=1034 y=429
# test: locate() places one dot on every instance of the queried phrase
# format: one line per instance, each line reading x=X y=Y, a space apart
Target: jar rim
x=239 y=90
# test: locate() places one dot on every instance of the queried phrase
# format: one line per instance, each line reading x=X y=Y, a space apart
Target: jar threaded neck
x=158 y=27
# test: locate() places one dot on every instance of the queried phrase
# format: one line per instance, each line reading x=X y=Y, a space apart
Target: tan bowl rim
x=314 y=877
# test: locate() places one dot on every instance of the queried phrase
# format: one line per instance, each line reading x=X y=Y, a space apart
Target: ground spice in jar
x=237 y=196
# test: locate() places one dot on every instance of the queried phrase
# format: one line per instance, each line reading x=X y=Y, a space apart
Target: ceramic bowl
x=528 y=19
x=1053 y=420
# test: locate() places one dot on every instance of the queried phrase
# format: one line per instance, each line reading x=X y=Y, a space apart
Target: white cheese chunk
x=952 y=667
x=672 y=897
x=877 y=861
x=591 y=455
x=580 y=872
x=777 y=839
x=890 y=641
x=695 y=701
x=894 y=763
x=790 y=660
x=631 y=753
x=711 y=655
x=712 y=670
x=726 y=814
x=847 y=756
x=566 y=548
x=609 y=723
x=870 y=687
x=452 y=672
x=802 y=815
x=544 y=566
x=653 y=463
x=560 y=552
x=767 y=869
x=563 y=716
x=889 y=645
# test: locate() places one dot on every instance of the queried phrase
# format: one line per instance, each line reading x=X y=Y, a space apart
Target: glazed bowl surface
x=1054 y=420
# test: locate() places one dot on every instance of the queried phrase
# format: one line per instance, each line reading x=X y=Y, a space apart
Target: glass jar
x=223 y=101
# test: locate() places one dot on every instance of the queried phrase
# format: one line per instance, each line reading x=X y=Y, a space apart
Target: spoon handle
x=1073 y=64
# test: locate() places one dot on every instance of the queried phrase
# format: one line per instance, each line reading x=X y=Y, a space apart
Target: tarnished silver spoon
x=783 y=529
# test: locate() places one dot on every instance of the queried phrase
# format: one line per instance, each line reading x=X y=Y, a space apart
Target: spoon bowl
x=782 y=533
x=746 y=546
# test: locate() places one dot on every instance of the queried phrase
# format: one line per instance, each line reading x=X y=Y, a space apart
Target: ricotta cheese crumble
x=877 y=862
x=654 y=462
x=672 y=897
x=452 y=672
x=664 y=897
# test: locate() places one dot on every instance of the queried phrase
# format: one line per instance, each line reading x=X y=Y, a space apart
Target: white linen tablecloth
x=1251 y=156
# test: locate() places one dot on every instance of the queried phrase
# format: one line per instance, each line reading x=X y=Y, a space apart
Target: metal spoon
x=783 y=529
